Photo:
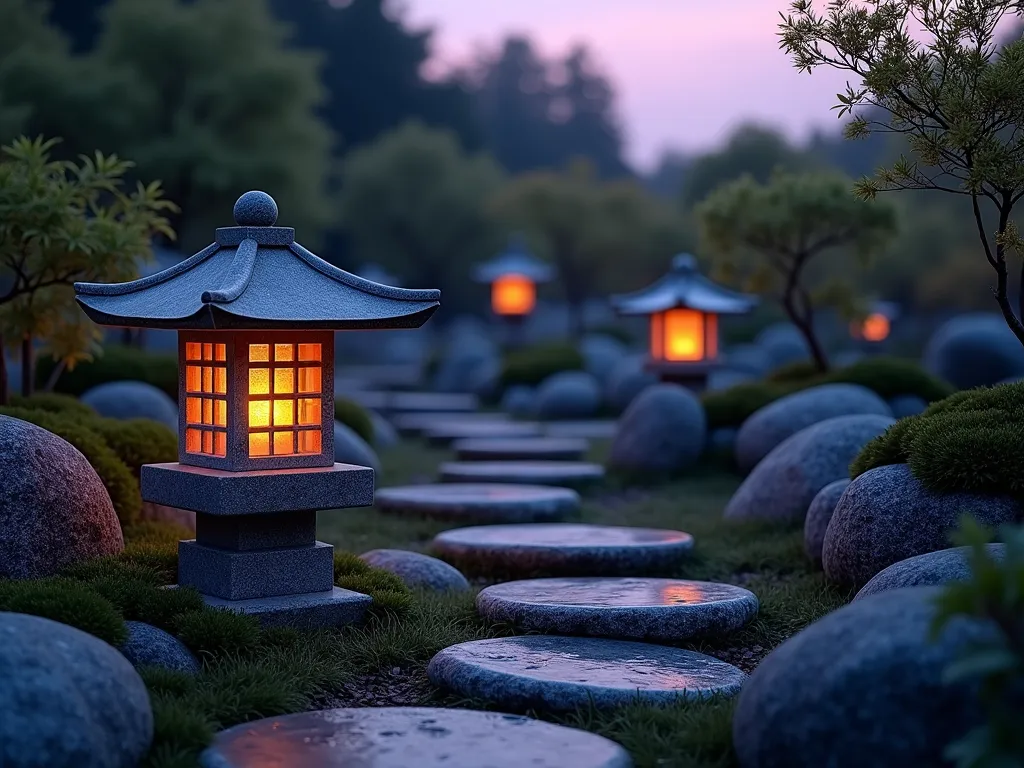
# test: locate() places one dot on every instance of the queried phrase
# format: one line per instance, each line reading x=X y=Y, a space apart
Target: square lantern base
x=313 y=610
x=693 y=376
x=242 y=575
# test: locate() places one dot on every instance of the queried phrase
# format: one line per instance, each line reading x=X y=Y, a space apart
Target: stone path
x=445 y=434
x=414 y=402
x=416 y=423
x=624 y=608
x=400 y=737
x=563 y=548
x=571 y=474
x=562 y=673
x=588 y=430
x=521 y=448
x=480 y=503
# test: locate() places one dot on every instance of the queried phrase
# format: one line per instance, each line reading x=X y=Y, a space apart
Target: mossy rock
x=114 y=363
x=67 y=601
x=532 y=365
x=355 y=417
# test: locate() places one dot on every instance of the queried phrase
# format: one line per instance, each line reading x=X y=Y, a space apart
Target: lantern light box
x=256 y=314
x=683 y=307
x=876 y=327
x=513 y=276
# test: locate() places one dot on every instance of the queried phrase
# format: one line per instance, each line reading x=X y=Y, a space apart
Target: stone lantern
x=255 y=314
x=877 y=325
x=513 y=276
x=683 y=307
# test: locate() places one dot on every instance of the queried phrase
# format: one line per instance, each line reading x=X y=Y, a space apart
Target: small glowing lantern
x=875 y=328
x=683 y=307
x=256 y=314
x=513 y=277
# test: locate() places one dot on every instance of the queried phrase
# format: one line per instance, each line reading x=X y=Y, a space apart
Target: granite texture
x=445 y=434
x=568 y=395
x=218 y=492
x=974 y=350
x=563 y=549
x=68 y=699
x=886 y=515
x=350 y=448
x=563 y=673
x=245 y=533
x=663 y=431
x=768 y=427
x=255 y=209
x=312 y=610
x=132 y=400
x=262 y=573
x=930 y=569
x=623 y=608
x=862 y=686
x=592 y=429
x=403 y=737
x=785 y=482
x=54 y=510
x=569 y=474
x=417 y=570
x=481 y=503
x=521 y=449
x=819 y=514
x=149 y=646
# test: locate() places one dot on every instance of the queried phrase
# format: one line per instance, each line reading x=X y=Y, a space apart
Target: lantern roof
x=684 y=287
x=516 y=259
x=255 y=276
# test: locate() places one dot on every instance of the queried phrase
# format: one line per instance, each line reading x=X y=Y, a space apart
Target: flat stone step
x=400 y=737
x=418 y=423
x=563 y=549
x=413 y=402
x=481 y=502
x=570 y=474
x=446 y=434
x=521 y=448
x=599 y=429
x=624 y=608
x=563 y=673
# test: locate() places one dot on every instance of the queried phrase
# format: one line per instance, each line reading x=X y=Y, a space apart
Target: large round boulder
x=930 y=569
x=783 y=485
x=769 y=426
x=601 y=354
x=749 y=358
x=974 y=350
x=886 y=515
x=818 y=516
x=350 y=448
x=664 y=430
x=862 y=686
x=782 y=344
x=68 y=698
x=384 y=433
x=54 y=510
x=568 y=395
x=627 y=380
x=132 y=400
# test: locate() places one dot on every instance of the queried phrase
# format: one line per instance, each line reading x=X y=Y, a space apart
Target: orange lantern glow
x=875 y=327
x=513 y=294
x=684 y=335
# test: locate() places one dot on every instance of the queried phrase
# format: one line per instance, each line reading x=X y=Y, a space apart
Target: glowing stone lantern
x=256 y=314
x=683 y=307
x=877 y=325
x=513 y=277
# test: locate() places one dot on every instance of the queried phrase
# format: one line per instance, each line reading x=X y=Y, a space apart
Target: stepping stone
x=588 y=430
x=521 y=448
x=624 y=608
x=399 y=737
x=432 y=402
x=480 y=503
x=563 y=673
x=563 y=548
x=417 y=423
x=570 y=474
x=448 y=433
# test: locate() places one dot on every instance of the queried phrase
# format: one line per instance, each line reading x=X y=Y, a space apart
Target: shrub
x=54 y=403
x=67 y=601
x=797 y=371
x=138 y=441
x=121 y=485
x=355 y=417
x=890 y=376
x=731 y=407
x=115 y=363
x=530 y=366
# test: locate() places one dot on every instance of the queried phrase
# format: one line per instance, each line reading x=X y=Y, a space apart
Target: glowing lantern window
x=282 y=419
x=513 y=295
x=206 y=390
x=875 y=327
x=684 y=335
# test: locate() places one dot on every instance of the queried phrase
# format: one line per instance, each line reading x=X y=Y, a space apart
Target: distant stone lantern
x=513 y=276
x=877 y=325
x=683 y=307
x=256 y=314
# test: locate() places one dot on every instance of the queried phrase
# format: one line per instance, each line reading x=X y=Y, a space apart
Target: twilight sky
x=685 y=71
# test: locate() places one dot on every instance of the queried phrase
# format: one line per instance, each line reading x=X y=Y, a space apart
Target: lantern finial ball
x=255 y=209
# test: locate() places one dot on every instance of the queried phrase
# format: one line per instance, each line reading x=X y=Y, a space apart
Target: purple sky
x=686 y=71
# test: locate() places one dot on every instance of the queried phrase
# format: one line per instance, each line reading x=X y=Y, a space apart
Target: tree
x=65 y=222
x=771 y=237
x=414 y=202
x=956 y=97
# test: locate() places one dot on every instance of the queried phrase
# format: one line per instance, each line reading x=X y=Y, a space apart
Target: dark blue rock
x=416 y=570
x=481 y=502
x=907 y=405
x=663 y=431
x=722 y=443
x=384 y=434
x=132 y=400
x=819 y=513
x=974 y=350
x=627 y=379
x=519 y=400
x=929 y=569
x=601 y=354
x=568 y=395
x=350 y=448
x=149 y=646
x=782 y=344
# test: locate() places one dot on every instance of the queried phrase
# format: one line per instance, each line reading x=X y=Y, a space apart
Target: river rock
x=930 y=569
x=663 y=431
x=568 y=395
x=350 y=448
x=974 y=350
x=416 y=570
x=149 y=646
x=132 y=400
x=818 y=516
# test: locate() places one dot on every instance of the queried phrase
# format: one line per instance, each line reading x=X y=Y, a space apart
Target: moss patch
x=530 y=366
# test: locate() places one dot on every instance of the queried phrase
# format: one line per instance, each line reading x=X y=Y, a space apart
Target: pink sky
x=686 y=71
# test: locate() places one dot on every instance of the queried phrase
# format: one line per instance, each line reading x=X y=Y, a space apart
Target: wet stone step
x=598 y=429
x=568 y=474
x=449 y=432
x=521 y=448
x=411 y=424
x=480 y=502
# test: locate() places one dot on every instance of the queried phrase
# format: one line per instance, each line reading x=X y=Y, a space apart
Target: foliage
x=138 y=441
x=773 y=237
x=355 y=417
x=890 y=447
x=389 y=593
x=889 y=377
x=66 y=601
x=953 y=95
x=799 y=370
x=731 y=407
x=531 y=365
x=218 y=633
x=992 y=595
x=115 y=363
x=53 y=403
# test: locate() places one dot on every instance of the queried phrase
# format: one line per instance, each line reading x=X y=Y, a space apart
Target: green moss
x=389 y=593
x=115 y=363
x=530 y=366
x=731 y=407
x=216 y=633
x=67 y=601
x=798 y=371
x=54 y=403
x=890 y=376
x=890 y=447
x=138 y=441
x=355 y=417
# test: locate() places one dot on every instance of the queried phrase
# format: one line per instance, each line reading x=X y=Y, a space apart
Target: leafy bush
x=67 y=601
x=890 y=376
x=54 y=403
x=797 y=371
x=731 y=407
x=138 y=441
x=530 y=366
x=116 y=363
x=389 y=592
x=355 y=417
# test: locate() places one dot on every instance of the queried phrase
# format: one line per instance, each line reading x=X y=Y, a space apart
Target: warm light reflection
x=681 y=594
x=513 y=295
x=274 y=392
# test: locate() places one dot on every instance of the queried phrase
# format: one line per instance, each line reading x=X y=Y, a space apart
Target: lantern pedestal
x=266 y=562
x=693 y=376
